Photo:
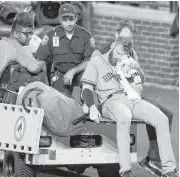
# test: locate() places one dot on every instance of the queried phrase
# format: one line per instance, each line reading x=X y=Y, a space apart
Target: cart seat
x=12 y=78
x=102 y=120
x=5 y=77
x=106 y=121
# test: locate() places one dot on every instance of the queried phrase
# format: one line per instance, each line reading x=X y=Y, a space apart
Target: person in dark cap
x=14 y=48
x=68 y=47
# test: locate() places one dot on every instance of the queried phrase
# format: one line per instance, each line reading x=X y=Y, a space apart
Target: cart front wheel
x=14 y=165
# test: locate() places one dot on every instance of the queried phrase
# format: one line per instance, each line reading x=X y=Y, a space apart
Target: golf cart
x=29 y=148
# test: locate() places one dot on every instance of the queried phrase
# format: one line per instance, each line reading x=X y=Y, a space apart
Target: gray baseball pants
x=122 y=111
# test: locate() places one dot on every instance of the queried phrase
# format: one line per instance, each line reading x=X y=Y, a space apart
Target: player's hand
x=124 y=62
x=94 y=114
x=135 y=65
x=68 y=77
x=137 y=80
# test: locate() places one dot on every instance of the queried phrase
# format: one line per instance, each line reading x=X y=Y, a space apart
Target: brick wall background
x=158 y=53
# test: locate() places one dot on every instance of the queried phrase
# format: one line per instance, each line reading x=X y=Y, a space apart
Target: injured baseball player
x=102 y=77
x=126 y=69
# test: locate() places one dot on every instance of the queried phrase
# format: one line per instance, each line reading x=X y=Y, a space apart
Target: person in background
x=125 y=28
x=15 y=47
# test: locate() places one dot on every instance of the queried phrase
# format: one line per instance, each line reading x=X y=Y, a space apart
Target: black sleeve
x=87 y=95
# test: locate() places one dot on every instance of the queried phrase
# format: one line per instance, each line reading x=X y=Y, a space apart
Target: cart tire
x=108 y=170
x=80 y=171
x=14 y=166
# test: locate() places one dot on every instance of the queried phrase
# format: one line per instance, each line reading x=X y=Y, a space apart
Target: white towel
x=131 y=94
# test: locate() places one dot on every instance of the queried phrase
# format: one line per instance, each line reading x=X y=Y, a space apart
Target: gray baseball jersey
x=103 y=76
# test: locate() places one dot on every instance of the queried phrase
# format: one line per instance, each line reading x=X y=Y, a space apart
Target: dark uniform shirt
x=66 y=53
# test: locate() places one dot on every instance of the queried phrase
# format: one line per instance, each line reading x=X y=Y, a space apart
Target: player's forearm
x=87 y=96
x=81 y=67
x=142 y=75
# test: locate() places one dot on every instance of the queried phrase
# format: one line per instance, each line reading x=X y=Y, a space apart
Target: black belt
x=112 y=94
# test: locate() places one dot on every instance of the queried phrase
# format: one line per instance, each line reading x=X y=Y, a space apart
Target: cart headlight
x=45 y=141
x=132 y=139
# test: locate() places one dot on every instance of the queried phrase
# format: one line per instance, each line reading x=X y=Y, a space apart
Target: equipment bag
x=60 y=110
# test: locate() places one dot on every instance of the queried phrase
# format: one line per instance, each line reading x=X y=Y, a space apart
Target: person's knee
x=162 y=121
x=122 y=113
x=167 y=112
x=157 y=117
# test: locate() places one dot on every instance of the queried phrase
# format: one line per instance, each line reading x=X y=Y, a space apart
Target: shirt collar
x=62 y=34
x=76 y=32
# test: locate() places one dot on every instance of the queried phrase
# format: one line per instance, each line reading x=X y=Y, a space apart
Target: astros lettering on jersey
x=103 y=76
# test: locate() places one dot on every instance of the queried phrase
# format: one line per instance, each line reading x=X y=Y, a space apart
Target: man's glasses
x=27 y=34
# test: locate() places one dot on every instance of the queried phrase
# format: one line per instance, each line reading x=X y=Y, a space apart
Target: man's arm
x=81 y=67
x=140 y=71
x=44 y=52
x=87 y=94
x=34 y=67
x=26 y=59
x=142 y=75
x=89 y=79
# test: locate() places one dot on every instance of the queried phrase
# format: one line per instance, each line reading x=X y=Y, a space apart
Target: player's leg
x=116 y=110
x=152 y=115
x=152 y=161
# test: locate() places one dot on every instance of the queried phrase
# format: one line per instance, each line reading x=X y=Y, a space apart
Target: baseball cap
x=67 y=10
